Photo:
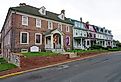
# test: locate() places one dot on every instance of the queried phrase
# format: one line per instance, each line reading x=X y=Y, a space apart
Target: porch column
x=105 y=44
x=45 y=42
x=81 y=44
x=85 y=43
x=62 y=41
x=89 y=43
x=52 y=41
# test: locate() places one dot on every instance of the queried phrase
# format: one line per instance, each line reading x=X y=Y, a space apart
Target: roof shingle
x=35 y=11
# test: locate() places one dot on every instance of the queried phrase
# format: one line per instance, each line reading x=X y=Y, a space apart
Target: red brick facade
x=17 y=27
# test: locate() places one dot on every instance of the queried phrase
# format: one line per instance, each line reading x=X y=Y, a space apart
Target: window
x=25 y=20
x=24 y=38
x=50 y=25
x=76 y=33
x=42 y=10
x=105 y=31
x=76 y=24
x=38 y=38
x=67 y=29
x=109 y=32
x=38 y=23
x=60 y=26
x=94 y=35
x=67 y=40
x=24 y=50
x=87 y=42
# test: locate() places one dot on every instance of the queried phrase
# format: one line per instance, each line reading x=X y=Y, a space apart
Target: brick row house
x=26 y=26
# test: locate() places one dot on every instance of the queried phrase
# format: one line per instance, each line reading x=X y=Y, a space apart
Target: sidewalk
x=55 y=64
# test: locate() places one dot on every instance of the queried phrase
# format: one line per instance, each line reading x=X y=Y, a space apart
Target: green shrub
x=75 y=50
x=114 y=49
x=96 y=47
x=31 y=54
x=2 y=60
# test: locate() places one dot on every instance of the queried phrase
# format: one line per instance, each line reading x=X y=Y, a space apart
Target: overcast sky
x=104 y=13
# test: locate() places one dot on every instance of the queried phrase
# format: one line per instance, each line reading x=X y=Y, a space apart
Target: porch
x=79 y=43
x=54 y=41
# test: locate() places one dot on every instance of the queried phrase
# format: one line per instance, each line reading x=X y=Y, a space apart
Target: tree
x=118 y=43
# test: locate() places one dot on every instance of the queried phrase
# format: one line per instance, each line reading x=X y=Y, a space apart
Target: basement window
x=24 y=50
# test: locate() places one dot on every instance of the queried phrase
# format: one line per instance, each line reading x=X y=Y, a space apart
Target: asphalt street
x=103 y=68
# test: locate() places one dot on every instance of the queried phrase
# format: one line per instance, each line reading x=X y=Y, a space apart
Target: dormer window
x=109 y=32
x=101 y=30
x=42 y=10
x=105 y=31
x=62 y=15
x=97 y=29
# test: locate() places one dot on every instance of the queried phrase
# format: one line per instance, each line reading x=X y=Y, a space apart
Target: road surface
x=103 y=68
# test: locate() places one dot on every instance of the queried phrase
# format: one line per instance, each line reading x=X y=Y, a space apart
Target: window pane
x=38 y=22
x=50 y=25
x=37 y=38
x=87 y=42
x=24 y=20
x=60 y=26
x=24 y=37
x=67 y=28
x=67 y=40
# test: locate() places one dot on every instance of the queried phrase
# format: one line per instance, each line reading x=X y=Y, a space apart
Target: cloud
x=105 y=13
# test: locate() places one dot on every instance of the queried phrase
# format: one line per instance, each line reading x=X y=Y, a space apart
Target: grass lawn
x=31 y=54
x=5 y=66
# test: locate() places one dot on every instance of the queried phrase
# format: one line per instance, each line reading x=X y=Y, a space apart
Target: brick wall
x=32 y=29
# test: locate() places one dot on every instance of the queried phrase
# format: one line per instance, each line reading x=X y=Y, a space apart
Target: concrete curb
x=18 y=73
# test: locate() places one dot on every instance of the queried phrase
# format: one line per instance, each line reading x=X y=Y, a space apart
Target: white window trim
x=60 y=27
x=37 y=19
x=41 y=18
x=23 y=20
x=21 y=38
x=40 y=38
x=68 y=29
x=24 y=50
x=42 y=9
x=69 y=39
x=51 y=25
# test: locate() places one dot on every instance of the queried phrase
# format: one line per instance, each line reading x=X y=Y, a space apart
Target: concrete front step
x=71 y=54
x=58 y=50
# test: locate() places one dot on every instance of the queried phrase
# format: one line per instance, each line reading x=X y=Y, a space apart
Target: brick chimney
x=87 y=24
x=22 y=4
x=80 y=19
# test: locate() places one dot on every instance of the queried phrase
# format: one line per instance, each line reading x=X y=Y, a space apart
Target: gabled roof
x=35 y=11
x=50 y=31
